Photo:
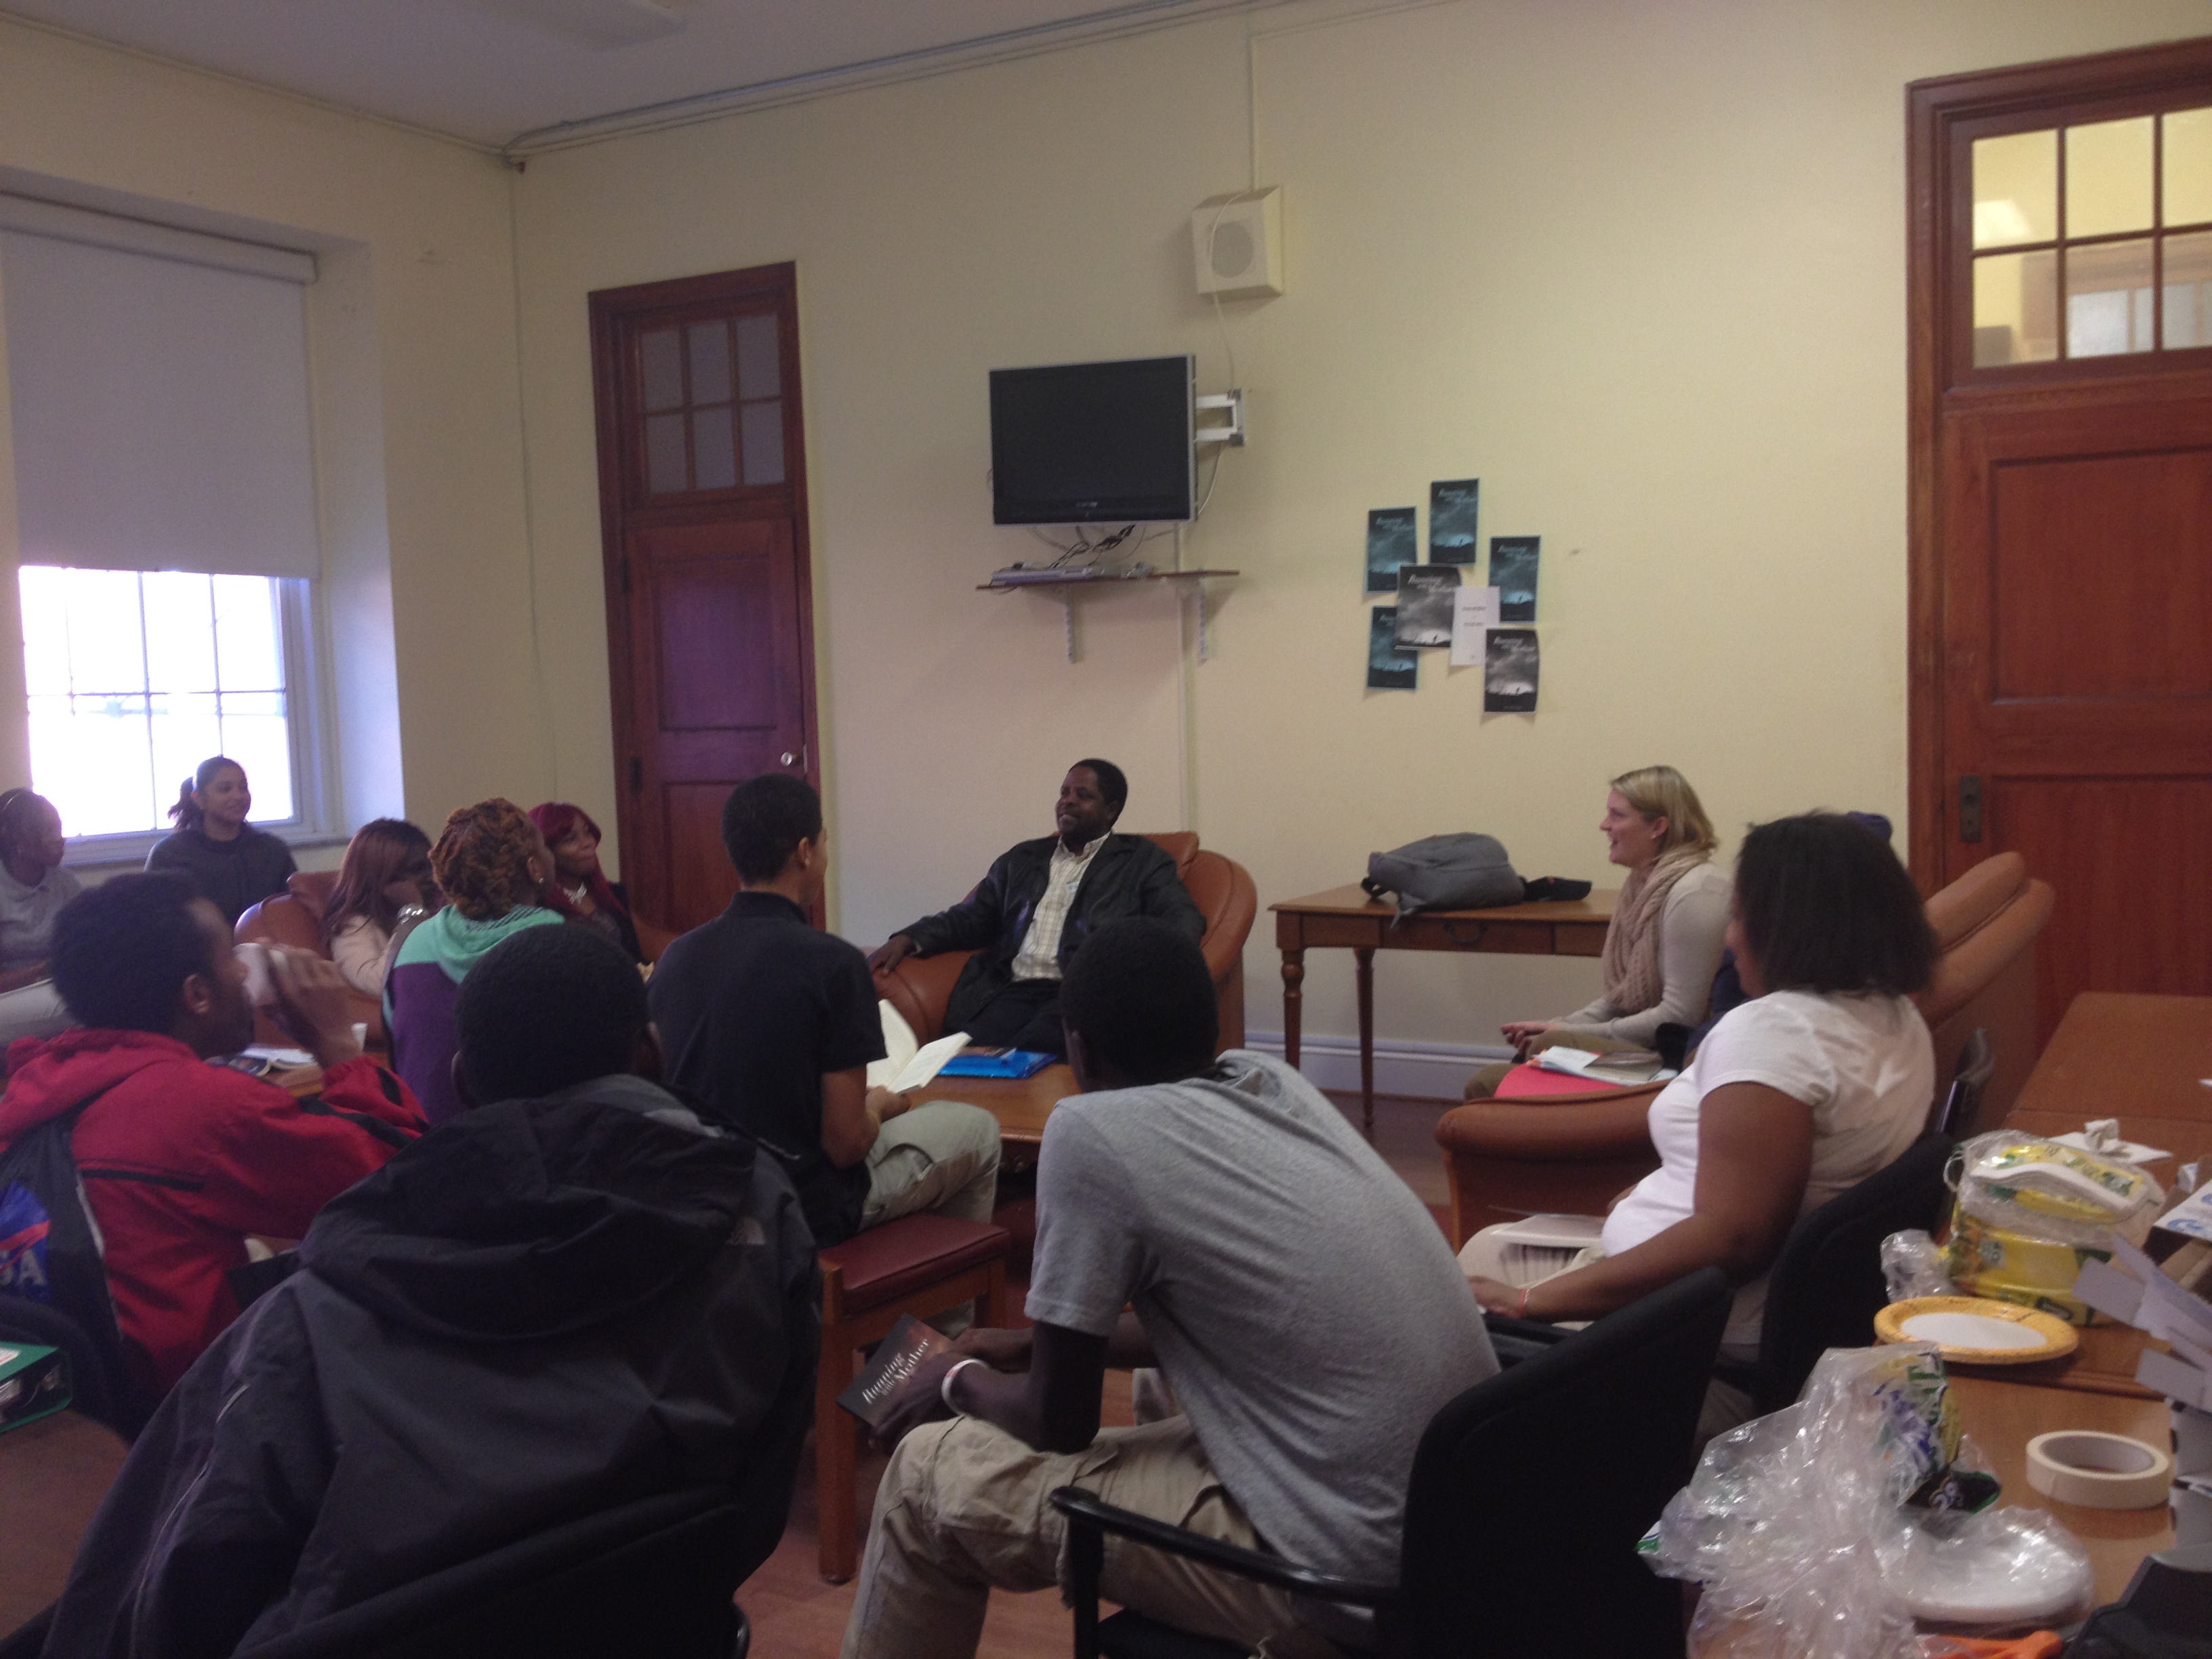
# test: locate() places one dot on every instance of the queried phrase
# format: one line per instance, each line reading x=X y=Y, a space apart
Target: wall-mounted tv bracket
x=1233 y=433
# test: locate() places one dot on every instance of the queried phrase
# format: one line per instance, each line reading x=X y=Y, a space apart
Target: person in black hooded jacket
x=545 y=1308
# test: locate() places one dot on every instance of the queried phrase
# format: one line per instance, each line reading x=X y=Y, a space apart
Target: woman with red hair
x=581 y=890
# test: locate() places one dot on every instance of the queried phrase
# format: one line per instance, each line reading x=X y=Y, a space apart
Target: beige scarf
x=1633 y=981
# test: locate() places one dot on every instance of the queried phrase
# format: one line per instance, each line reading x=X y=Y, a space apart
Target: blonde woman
x=1664 y=945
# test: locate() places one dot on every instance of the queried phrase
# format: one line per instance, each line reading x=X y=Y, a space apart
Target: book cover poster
x=1474 y=613
x=1452 y=504
x=1513 y=573
x=908 y=1344
x=1390 y=543
x=1425 y=604
x=1389 y=667
x=1509 y=670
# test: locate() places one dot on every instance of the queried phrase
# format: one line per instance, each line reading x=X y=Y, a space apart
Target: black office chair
x=656 y=1576
x=1528 y=1494
x=1978 y=1063
x=100 y=1386
x=1827 y=1283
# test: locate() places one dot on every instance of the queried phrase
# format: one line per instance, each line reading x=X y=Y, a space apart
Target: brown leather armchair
x=294 y=918
x=1507 y=1159
x=920 y=987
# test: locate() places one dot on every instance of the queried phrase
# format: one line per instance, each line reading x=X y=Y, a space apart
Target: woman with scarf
x=1664 y=944
x=495 y=871
x=581 y=891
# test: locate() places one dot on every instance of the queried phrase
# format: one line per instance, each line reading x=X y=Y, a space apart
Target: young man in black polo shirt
x=772 y=1024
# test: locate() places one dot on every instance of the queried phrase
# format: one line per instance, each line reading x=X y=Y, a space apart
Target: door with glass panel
x=702 y=502
x=2062 y=503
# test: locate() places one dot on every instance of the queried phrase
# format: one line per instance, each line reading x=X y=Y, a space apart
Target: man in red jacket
x=182 y=1159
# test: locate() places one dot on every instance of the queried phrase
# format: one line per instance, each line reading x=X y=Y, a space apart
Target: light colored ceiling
x=490 y=71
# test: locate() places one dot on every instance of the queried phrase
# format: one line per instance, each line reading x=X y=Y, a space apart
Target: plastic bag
x=1912 y=1264
x=2031 y=1210
x=1817 y=1531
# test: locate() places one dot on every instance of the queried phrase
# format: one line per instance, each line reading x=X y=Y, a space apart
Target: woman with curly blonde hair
x=494 y=867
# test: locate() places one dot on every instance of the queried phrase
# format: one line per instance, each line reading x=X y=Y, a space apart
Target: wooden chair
x=923 y=1265
x=920 y=987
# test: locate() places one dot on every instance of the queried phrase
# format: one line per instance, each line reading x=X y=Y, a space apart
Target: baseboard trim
x=1434 y=1070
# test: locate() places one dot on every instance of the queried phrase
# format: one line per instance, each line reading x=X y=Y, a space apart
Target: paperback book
x=896 y=1358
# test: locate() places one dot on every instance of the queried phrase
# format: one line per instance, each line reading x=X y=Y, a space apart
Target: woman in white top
x=34 y=888
x=1664 y=944
x=386 y=871
x=1822 y=1079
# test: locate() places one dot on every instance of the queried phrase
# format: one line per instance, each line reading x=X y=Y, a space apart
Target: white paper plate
x=1970 y=1330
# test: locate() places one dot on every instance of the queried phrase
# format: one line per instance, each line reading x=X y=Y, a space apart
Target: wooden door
x=703 y=509
x=2062 y=573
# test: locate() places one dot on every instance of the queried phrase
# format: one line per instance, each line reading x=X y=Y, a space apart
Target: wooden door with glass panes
x=2062 y=503
x=702 y=505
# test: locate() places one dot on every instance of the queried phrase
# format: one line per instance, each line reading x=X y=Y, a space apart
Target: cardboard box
x=34 y=1382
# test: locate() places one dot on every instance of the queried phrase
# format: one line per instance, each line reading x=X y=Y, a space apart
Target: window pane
x=661 y=361
x=2015 y=308
x=249 y=636
x=185 y=732
x=2016 y=189
x=2188 y=162
x=2108 y=177
x=45 y=593
x=715 y=446
x=762 y=425
x=710 y=363
x=666 y=471
x=106 y=649
x=2188 y=291
x=256 y=735
x=760 y=373
x=2108 y=299
x=88 y=758
x=180 y=648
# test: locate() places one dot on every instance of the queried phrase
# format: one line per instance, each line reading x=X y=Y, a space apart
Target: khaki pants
x=964 y=1508
x=942 y=1157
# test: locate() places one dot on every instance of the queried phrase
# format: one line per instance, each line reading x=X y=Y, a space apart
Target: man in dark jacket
x=545 y=1308
x=1030 y=915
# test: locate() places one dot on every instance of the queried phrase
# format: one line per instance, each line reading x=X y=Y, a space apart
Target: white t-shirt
x=1301 y=1302
x=1863 y=1064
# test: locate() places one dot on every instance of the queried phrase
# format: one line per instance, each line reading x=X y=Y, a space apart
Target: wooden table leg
x=1294 y=974
x=1364 y=972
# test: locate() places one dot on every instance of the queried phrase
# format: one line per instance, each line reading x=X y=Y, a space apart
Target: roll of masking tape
x=2098 y=1471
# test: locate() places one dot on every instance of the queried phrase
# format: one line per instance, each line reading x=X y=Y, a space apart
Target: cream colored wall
x=413 y=346
x=1639 y=268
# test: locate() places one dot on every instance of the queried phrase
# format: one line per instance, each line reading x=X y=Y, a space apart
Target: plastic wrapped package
x=2031 y=1210
x=1912 y=1266
x=1816 y=1532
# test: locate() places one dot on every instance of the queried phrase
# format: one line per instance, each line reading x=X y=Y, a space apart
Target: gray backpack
x=1445 y=873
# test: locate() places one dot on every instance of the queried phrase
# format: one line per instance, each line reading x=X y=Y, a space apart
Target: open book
x=908 y=1063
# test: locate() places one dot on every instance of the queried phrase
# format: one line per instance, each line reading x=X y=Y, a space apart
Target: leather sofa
x=294 y=918
x=921 y=986
x=1505 y=1158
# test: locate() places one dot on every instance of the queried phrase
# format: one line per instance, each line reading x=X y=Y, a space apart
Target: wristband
x=1522 y=1312
x=944 y=1387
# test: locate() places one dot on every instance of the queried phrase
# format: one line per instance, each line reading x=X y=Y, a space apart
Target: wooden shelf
x=1077 y=583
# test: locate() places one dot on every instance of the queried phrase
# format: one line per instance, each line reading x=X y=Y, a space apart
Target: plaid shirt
x=1039 y=957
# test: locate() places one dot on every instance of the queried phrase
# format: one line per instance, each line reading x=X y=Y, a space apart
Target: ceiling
x=493 y=70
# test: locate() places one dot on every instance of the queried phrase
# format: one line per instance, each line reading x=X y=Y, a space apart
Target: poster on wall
x=1388 y=668
x=1391 y=543
x=1509 y=671
x=1474 y=613
x=1425 y=604
x=1513 y=573
x=1452 y=504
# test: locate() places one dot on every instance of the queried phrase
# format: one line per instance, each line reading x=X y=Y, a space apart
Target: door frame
x=613 y=420
x=1936 y=228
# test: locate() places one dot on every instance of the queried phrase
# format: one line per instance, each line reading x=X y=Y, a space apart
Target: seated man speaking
x=572 y=1296
x=1303 y=1305
x=1036 y=908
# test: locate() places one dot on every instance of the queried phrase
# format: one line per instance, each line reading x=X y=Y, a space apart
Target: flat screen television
x=1093 y=443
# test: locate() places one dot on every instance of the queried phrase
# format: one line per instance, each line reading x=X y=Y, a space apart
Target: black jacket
x=538 y=1311
x=1132 y=876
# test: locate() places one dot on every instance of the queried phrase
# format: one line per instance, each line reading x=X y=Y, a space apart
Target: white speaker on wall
x=1237 y=242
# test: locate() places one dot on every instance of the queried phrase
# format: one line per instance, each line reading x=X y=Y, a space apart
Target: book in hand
x=895 y=1359
x=998 y=1062
x=909 y=1064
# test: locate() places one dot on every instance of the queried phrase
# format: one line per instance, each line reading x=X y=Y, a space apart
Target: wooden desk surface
x=2144 y=1059
x=1347 y=917
x=53 y=1473
x=2002 y=1417
x=1021 y=1105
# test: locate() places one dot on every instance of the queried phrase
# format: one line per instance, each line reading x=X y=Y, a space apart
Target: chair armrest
x=1083 y=1510
x=1516 y=1340
x=920 y=987
x=1565 y=1132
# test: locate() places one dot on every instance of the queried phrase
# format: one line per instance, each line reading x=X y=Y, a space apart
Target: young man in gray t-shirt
x=1301 y=1303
